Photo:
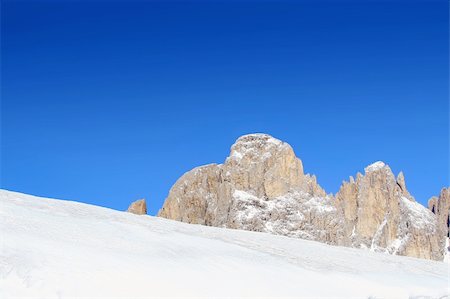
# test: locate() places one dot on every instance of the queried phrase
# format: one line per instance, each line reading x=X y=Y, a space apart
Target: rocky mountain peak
x=376 y=166
x=260 y=173
x=262 y=187
x=380 y=175
x=264 y=165
x=255 y=143
x=257 y=148
x=381 y=215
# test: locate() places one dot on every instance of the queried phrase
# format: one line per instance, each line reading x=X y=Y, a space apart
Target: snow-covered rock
x=375 y=166
x=62 y=249
x=262 y=187
x=380 y=214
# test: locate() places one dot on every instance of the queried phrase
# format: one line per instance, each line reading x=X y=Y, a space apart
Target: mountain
x=62 y=249
x=380 y=214
x=262 y=187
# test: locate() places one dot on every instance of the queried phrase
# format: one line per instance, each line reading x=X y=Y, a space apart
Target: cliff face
x=441 y=207
x=262 y=187
x=380 y=214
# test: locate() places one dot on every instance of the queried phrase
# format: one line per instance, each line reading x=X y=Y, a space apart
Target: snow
x=421 y=217
x=243 y=195
x=447 y=250
x=275 y=141
x=375 y=166
x=395 y=246
x=254 y=144
x=320 y=205
x=61 y=249
x=251 y=209
x=261 y=137
x=377 y=235
x=236 y=155
x=281 y=215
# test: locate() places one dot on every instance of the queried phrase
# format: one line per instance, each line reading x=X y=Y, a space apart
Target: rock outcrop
x=139 y=207
x=262 y=187
x=441 y=207
x=380 y=214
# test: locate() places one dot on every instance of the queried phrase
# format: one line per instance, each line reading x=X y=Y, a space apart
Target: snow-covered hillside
x=58 y=249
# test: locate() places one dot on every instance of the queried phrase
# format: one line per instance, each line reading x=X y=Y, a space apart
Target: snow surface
x=375 y=166
x=421 y=217
x=447 y=251
x=60 y=249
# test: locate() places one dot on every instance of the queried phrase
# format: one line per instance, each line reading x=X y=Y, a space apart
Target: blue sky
x=107 y=102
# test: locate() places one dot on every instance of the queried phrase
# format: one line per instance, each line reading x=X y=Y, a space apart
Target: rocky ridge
x=380 y=214
x=262 y=187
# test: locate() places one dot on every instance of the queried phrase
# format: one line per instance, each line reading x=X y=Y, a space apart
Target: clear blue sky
x=107 y=102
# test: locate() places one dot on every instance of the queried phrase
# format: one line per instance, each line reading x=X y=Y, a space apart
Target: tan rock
x=380 y=214
x=401 y=182
x=263 y=164
x=138 y=207
x=262 y=187
x=432 y=204
x=441 y=207
x=200 y=196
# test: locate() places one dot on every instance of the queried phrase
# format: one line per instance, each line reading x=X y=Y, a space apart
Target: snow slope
x=58 y=249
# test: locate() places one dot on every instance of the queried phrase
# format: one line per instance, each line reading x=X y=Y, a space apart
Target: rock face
x=139 y=207
x=441 y=207
x=381 y=215
x=262 y=187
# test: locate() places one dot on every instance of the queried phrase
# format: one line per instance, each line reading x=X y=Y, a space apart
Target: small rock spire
x=139 y=207
x=401 y=181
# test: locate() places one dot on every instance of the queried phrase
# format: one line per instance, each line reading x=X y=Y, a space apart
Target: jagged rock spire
x=380 y=214
x=441 y=207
